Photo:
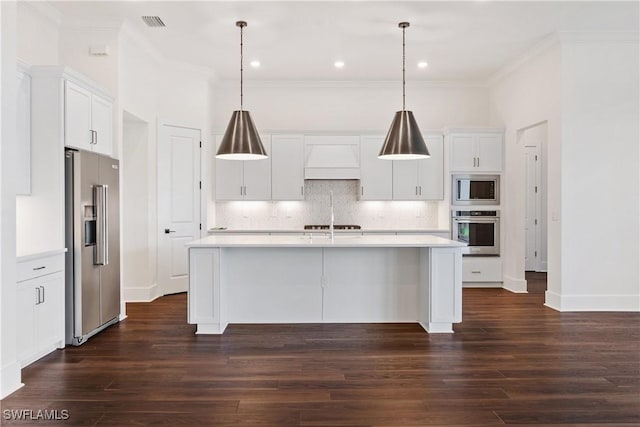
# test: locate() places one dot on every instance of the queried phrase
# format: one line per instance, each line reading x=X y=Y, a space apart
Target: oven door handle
x=470 y=221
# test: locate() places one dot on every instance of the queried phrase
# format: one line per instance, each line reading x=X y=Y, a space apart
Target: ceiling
x=301 y=40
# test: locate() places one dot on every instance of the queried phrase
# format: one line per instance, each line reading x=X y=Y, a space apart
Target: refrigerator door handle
x=101 y=253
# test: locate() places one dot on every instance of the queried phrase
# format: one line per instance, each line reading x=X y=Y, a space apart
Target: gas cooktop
x=335 y=227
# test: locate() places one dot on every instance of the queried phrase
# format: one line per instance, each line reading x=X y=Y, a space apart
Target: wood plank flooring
x=511 y=362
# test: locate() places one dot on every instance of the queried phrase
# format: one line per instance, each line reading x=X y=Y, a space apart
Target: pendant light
x=404 y=140
x=241 y=141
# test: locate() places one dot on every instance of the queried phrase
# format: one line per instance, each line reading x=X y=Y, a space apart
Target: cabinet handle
x=241 y=190
x=416 y=190
x=362 y=190
x=39 y=268
x=420 y=190
x=478 y=161
x=476 y=272
x=302 y=190
x=96 y=134
x=42 y=293
x=245 y=190
x=38 y=295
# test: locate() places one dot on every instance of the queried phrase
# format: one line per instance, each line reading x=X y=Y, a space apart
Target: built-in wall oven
x=480 y=230
x=471 y=190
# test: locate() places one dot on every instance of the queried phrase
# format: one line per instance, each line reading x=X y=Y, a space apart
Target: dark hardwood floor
x=512 y=361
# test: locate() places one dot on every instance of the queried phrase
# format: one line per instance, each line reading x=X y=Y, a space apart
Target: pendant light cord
x=241 y=69
x=403 y=70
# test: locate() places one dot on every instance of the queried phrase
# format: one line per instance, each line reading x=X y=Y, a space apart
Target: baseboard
x=141 y=294
x=10 y=379
x=517 y=286
x=592 y=302
x=481 y=284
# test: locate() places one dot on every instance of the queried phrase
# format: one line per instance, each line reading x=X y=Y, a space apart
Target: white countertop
x=275 y=241
x=44 y=254
x=299 y=230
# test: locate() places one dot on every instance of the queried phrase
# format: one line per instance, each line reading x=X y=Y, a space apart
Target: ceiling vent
x=153 y=21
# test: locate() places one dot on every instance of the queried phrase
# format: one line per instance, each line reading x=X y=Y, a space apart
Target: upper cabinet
x=88 y=120
x=287 y=167
x=23 y=131
x=421 y=179
x=244 y=179
x=475 y=151
x=375 y=174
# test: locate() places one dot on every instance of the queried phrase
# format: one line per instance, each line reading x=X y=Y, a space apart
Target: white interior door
x=531 y=207
x=179 y=196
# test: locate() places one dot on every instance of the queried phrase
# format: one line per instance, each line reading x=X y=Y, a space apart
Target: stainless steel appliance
x=469 y=190
x=480 y=230
x=92 y=238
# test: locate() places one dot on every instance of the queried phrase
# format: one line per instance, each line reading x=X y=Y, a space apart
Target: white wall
x=37 y=40
x=600 y=176
x=528 y=96
x=350 y=106
x=9 y=367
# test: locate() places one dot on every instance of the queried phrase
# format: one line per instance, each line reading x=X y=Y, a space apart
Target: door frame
x=203 y=206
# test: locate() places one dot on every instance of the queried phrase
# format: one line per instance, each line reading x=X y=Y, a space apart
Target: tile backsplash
x=315 y=210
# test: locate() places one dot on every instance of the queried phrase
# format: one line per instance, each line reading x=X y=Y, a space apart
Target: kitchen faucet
x=332 y=216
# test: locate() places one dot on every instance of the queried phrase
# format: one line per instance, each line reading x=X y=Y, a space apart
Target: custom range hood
x=331 y=157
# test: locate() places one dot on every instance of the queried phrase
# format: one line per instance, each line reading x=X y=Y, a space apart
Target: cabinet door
x=431 y=172
x=77 y=117
x=102 y=124
x=287 y=167
x=489 y=153
x=405 y=179
x=257 y=175
x=463 y=153
x=23 y=129
x=376 y=175
x=229 y=182
x=27 y=300
x=50 y=312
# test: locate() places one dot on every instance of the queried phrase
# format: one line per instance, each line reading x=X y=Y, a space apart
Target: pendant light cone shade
x=241 y=140
x=404 y=140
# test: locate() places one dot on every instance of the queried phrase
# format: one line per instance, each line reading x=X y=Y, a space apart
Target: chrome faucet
x=332 y=215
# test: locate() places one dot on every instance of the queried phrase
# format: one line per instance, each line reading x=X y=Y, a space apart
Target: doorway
x=179 y=203
x=534 y=148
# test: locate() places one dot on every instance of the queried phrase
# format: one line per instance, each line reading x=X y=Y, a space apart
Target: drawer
x=40 y=266
x=481 y=269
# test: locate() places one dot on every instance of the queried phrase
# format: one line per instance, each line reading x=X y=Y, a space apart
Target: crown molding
x=45 y=9
x=134 y=36
x=599 y=36
x=344 y=84
x=559 y=38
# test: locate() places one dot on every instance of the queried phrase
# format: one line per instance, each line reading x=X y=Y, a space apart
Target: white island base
x=354 y=279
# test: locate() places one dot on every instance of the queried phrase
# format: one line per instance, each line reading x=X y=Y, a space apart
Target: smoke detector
x=153 y=21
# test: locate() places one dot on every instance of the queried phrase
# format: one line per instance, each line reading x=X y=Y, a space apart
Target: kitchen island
x=316 y=279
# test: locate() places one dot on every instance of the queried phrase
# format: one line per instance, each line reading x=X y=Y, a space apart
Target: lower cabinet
x=481 y=269
x=41 y=312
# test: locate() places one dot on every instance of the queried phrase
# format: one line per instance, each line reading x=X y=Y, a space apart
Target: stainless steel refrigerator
x=93 y=244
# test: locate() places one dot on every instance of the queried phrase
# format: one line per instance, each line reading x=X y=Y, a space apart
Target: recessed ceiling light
x=423 y=64
x=255 y=64
x=338 y=64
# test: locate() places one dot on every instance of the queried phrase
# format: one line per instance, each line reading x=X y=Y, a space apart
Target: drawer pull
x=476 y=272
x=39 y=268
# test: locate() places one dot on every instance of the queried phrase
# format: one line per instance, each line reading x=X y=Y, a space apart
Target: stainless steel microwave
x=470 y=190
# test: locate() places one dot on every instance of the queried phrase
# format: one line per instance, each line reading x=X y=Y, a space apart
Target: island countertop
x=324 y=241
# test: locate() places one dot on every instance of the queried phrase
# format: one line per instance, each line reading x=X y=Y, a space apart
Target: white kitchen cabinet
x=287 y=167
x=88 y=119
x=23 y=131
x=244 y=179
x=421 y=179
x=376 y=175
x=481 y=269
x=40 y=307
x=476 y=152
